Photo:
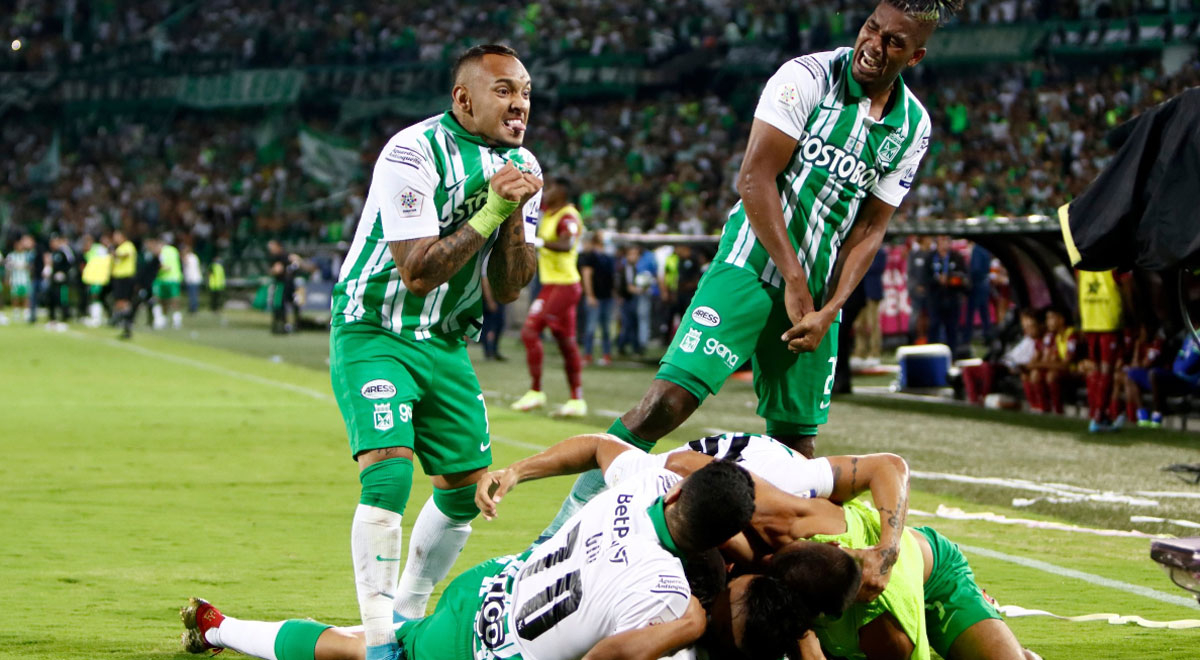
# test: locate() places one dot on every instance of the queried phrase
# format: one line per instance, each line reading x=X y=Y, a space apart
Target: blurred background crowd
x=292 y=32
x=652 y=138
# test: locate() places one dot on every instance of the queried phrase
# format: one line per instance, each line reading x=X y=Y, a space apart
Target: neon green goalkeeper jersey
x=429 y=179
x=842 y=155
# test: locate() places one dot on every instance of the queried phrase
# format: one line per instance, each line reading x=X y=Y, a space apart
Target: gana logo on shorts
x=706 y=316
x=378 y=389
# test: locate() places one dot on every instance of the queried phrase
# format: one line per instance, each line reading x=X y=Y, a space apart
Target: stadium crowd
x=223 y=184
x=53 y=35
x=642 y=164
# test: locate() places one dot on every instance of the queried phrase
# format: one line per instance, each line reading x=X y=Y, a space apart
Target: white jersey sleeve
x=402 y=188
x=632 y=462
x=894 y=186
x=793 y=93
x=532 y=212
x=771 y=460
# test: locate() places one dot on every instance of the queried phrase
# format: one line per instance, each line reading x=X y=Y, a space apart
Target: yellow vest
x=96 y=271
x=1099 y=302
x=216 y=278
x=558 y=267
x=124 y=260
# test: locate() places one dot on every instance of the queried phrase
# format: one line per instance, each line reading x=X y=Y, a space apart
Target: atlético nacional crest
x=889 y=149
x=383 y=417
x=690 y=341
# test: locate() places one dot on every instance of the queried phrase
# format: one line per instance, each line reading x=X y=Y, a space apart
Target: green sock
x=386 y=484
x=297 y=639
x=618 y=429
x=457 y=503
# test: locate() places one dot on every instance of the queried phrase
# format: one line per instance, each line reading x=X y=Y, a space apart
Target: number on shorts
x=487 y=424
x=829 y=382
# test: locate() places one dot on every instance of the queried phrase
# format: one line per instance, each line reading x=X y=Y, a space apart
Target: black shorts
x=122 y=288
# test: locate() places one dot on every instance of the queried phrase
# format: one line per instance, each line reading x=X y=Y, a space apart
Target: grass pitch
x=213 y=462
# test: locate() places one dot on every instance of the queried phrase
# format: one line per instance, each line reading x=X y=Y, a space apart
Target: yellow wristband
x=493 y=214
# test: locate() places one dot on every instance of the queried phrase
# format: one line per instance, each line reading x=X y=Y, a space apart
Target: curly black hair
x=928 y=11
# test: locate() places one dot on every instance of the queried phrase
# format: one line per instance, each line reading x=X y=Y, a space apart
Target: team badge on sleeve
x=384 y=420
x=690 y=341
x=787 y=95
x=409 y=203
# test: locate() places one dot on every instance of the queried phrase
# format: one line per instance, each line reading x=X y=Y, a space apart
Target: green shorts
x=164 y=290
x=464 y=626
x=19 y=291
x=395 y=392
x=734 y=316
x=953 y=602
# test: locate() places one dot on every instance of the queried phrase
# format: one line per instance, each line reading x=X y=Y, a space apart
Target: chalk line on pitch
x=1090 y=578
x=252 y=378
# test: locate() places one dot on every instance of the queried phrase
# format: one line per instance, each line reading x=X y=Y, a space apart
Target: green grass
x=212 y=461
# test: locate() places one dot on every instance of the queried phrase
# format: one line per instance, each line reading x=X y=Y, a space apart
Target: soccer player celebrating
x=835 y=145
x=611 y=585
x=448 y=195
x=556 y=304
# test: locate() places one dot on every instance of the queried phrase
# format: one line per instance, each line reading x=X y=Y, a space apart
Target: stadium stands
x=364 y=33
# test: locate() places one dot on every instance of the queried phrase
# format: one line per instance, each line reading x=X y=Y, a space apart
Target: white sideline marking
x=1090 y=578
x=169 y=357
x=1172 y=521
x=954 y=513
x=260 y=380
x=1013 y=611
x=1057 y=492
x=1168 y=493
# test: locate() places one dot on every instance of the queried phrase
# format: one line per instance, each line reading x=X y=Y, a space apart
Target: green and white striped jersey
x=842 y=155
x=429 y=179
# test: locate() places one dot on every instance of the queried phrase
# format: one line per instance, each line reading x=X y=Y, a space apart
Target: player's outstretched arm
x=653 y=642
x=571 y=456
x=886 y=476
x=429 y=262
x=768 y=152
x=853 y=260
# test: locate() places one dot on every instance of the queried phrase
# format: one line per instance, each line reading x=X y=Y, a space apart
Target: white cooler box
x=924 y=366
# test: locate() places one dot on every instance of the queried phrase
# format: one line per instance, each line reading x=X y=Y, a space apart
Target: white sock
x=157 y=310
x=256 y=638
x=177 y=319
x=375 y=543
x=435 y=543
x=96 y=310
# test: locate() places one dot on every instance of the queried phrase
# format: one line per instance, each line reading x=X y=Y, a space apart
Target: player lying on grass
x=840 y=478
x=930 y=577
x=931 y=600
x=610 y=585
